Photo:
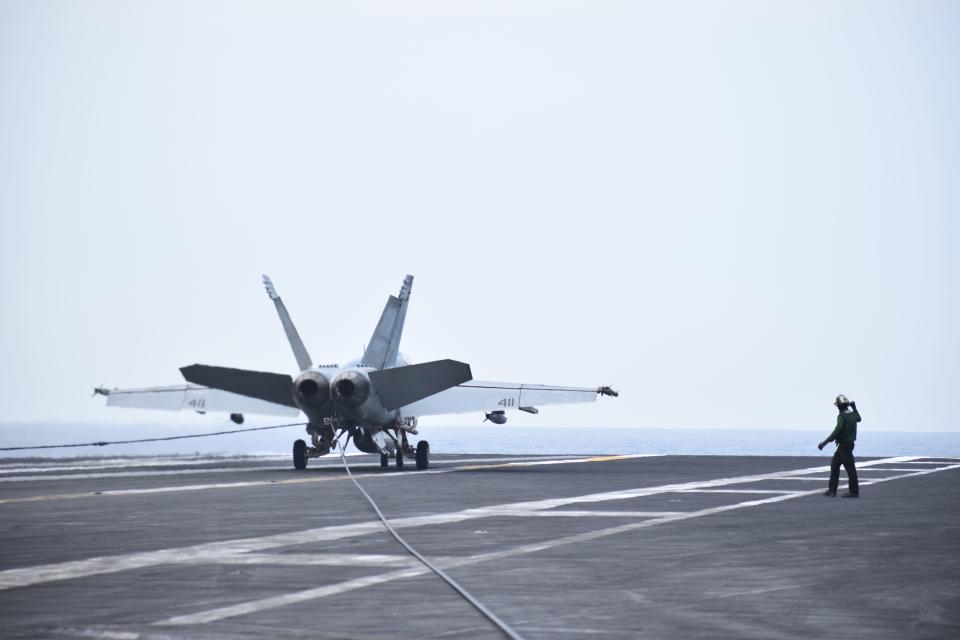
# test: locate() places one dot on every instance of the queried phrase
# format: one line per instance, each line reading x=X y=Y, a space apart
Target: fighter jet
x=375 y=400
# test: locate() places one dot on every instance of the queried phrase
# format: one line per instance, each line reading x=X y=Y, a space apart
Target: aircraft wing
x=478 y=395
x=193 y=397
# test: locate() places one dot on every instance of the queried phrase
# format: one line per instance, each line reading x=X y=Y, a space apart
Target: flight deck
x=556 y=546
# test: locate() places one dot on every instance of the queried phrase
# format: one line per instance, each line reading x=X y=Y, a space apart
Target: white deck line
x=910 y=469
x=138 y=474
x=587 y=514
x=256 y=606
x=469 y=464
x=324 y=461
x=122 y=463
x=14 y=475
x=773 y=491
x=12 y=578
x=314 y=559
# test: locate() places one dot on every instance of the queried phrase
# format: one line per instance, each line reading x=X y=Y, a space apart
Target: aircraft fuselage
x=343 y=397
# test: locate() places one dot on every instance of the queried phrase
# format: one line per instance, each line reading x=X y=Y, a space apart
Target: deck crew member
x=845 y=434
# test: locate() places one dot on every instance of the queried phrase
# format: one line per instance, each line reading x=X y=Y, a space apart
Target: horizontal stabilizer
x=270 y=387
x=401 y=386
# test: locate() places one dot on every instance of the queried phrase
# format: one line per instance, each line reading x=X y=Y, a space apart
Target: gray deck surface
x=563 y=547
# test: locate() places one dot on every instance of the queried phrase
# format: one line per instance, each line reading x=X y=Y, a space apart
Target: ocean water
x=498 y=439
x=727 y=442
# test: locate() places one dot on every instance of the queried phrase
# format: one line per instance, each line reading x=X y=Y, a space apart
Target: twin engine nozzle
x=350 y=389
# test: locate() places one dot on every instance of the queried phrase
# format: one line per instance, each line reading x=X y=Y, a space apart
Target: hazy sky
x=729 y=211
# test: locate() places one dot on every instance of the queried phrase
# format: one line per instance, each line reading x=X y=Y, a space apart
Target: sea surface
x=486 y=438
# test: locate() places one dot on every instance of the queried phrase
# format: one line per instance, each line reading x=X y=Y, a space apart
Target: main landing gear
x=323 y=440
x=299 y=454
x=421 y=454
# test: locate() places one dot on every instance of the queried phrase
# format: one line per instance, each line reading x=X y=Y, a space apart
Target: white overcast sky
x=729 y=211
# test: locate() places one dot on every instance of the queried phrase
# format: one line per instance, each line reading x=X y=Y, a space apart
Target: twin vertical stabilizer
x=384 y=345
x=299 y=351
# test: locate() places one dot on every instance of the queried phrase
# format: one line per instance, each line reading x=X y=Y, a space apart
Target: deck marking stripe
x=265 y=483
x=100 y=634
x=549 y=462
x=136 y=474
x=12 y=578
x=312 y=559
x=752 y=592
x=292 y=598
x=256 y=606
x=56 y=473
x=910 y=469
x=16 y=475
x=131 y=462
x=585 y=514
x=735 y=491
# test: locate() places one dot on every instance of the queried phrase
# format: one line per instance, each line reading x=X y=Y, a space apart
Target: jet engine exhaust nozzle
x=312 y=389
x=351 y=389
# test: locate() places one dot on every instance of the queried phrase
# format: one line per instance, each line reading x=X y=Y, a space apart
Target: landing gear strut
x=399 y=459
x=384 y=460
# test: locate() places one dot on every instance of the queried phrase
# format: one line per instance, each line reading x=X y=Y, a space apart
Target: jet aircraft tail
x=293 y=336
x=384 y=345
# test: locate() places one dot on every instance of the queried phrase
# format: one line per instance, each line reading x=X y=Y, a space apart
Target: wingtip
x=268 y=284
x=407 y=286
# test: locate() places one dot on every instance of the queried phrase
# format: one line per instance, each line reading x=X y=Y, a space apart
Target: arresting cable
x=192 y=435
x=479 y=606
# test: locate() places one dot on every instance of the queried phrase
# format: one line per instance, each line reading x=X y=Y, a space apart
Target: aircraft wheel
x=423 y=455
x=384 y=460
x=299 y=454
x=399 y=459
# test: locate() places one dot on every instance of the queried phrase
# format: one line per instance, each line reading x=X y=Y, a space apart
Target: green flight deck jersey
x=846 y=430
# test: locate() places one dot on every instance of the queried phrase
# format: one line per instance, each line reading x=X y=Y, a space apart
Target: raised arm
x=856 y=414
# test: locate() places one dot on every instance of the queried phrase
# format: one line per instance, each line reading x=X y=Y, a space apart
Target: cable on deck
x=479 y=606
x=193 y=435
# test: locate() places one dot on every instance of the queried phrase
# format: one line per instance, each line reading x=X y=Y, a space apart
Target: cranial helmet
x=841 y=400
